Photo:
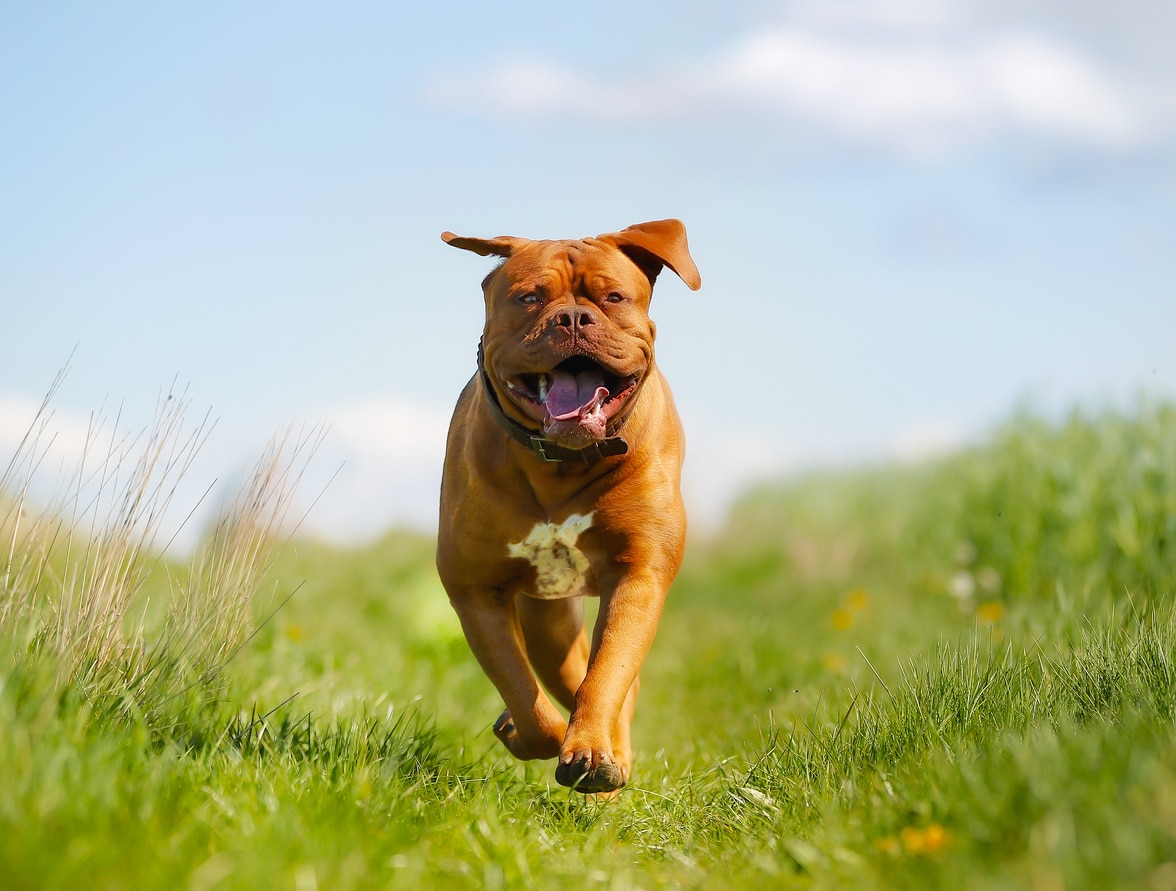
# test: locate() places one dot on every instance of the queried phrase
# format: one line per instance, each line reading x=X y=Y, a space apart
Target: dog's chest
x=561 y=569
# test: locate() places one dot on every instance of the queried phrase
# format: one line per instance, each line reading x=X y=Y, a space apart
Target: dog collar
x=546 y=449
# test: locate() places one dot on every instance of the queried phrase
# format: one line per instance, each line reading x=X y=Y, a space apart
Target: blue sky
x=910 y=216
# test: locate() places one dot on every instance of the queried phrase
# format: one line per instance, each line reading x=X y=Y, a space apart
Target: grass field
x=956 y=675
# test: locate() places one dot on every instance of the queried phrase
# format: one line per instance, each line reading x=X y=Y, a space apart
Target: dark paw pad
x=579 y=774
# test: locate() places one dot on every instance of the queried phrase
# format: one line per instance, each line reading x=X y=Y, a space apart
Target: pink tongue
x=574 y=395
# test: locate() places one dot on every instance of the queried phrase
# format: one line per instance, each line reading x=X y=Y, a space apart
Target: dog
x=561 y=480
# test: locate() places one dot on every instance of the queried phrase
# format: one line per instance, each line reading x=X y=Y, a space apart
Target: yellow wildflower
x=888 y=845
x=923 y=841
x=990 y=612
x=857 y=600
x=934 y=838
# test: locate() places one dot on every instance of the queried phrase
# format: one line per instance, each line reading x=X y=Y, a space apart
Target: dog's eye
x=530 y=298
x=614 y=297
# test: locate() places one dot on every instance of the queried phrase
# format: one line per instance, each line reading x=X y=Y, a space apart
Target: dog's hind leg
x=531 y=727
x=557 y=644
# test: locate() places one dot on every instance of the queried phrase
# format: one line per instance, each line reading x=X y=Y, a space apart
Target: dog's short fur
x=562 y=480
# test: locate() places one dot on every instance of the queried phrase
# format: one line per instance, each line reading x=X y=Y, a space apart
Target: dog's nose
x=573 y=319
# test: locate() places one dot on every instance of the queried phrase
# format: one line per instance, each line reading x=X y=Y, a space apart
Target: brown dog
x=561 y=480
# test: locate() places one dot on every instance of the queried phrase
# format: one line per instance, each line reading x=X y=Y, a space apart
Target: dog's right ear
x=502 y=246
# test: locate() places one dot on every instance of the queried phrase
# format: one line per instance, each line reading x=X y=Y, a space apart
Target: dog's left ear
x=654 y=245
x=502 y=246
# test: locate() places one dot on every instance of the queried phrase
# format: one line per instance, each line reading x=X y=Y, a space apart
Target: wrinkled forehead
x=560 y=266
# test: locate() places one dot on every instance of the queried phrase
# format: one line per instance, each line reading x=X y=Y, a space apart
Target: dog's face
x=568 y=340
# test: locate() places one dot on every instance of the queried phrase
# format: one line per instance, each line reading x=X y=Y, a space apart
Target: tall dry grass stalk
x=71 y=590
x=212 y=614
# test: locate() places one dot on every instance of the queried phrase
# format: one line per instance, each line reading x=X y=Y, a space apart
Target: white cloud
x=77 y=466
x=720 y=465
x=379 y=466
x=385 y=458
x=393 y=430
x=1044 y=88
x=928 y=440
x=889 y=14
x=61 y=436
x=912 y=90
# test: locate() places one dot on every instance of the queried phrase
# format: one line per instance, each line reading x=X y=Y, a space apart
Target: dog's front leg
x=595 y=756
x=531 y=727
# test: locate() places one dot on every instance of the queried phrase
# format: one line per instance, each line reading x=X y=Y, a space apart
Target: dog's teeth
x=543 y=388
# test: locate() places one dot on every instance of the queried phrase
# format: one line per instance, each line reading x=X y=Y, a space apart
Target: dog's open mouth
x=575 y=400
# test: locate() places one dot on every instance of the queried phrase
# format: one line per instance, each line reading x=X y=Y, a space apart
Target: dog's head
x=568 y=340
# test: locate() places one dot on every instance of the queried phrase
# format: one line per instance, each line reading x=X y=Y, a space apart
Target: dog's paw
x=522 y=747
x=587 y=771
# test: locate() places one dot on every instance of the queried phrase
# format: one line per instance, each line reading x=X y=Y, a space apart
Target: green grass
x=957 y=675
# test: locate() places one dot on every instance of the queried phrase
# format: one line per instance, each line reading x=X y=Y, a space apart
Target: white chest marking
x=560 y=566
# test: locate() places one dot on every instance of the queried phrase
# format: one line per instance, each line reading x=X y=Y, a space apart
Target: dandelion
x=842 y=619
x=916 y=841
x=834 y=662
x=934 y=838
x=989 y=579
x=294 y=633
x=990 y=612
x=965 y=553
x=888 y=845
x=857 y=600
x=962 y=585
x=912 y=840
